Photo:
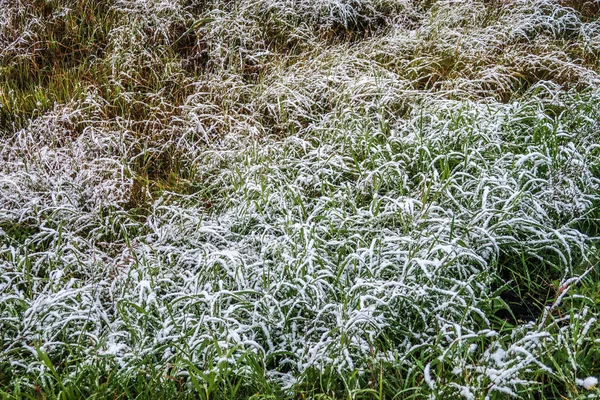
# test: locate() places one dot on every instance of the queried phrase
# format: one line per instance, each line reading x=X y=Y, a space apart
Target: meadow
x=299 y=199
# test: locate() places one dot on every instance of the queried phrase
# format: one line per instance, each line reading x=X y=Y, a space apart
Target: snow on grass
x=350 y=211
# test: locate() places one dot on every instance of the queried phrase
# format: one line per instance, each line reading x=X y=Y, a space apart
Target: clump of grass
x=49 y=54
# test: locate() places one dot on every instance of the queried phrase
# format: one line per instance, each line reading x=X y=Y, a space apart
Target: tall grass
x=299 y=199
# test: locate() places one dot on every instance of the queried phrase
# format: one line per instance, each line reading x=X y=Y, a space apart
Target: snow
x=588 y=383
x=310 y=244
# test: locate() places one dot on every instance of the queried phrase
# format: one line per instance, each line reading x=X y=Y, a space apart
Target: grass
x=378 y=199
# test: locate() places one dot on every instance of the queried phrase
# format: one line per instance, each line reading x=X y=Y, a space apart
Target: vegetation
x=324 y=199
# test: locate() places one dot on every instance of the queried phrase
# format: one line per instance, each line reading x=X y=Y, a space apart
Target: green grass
x=373 y=199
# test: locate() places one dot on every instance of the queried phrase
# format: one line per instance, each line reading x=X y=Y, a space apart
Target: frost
x=588 y=383
x=427 y=376
x=345 y=207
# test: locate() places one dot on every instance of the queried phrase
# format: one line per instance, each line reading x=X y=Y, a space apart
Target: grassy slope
x=299 y=199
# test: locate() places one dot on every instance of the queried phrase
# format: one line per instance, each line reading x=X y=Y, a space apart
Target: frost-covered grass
x=299 y=199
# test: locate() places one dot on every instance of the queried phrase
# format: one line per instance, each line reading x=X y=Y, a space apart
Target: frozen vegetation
x=361 y=199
